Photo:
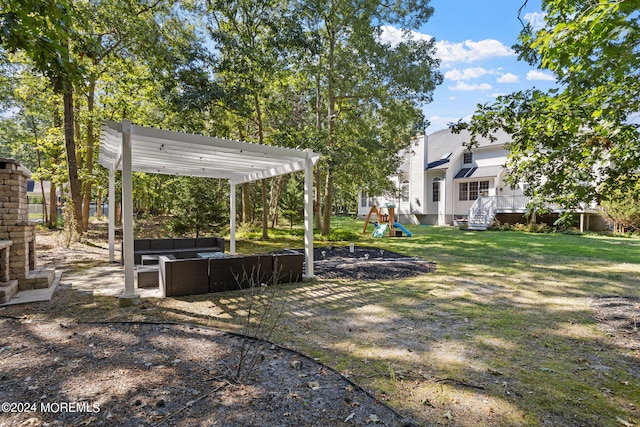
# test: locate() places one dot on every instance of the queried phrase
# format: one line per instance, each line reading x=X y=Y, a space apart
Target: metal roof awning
x=479 y=172
x=437 y=163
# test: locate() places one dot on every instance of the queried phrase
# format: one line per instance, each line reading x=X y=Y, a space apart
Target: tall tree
x=43 y=30
x=251 y=39
x=358 y=78
x=577 y=143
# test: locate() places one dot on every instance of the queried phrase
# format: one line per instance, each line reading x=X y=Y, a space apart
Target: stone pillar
x=4 y=260
x=14 y=219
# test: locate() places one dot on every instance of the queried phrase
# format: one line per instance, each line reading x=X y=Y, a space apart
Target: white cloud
x=466 y=51
x=536 y=19
x=466 y=74
x=437 y=123
x=540 y=75
x=497 y=94
x=392 y=35
x=465 y=87
x=508 y=78
x=469 y=51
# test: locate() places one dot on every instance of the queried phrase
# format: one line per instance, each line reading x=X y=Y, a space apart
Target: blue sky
x=474 y=40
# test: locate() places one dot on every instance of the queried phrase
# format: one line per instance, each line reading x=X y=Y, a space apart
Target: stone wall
x=14 y=219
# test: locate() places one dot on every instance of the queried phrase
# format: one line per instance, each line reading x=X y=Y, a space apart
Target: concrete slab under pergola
x=131 y=148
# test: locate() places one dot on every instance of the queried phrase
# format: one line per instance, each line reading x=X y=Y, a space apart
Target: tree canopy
x=579 y=142
x=298 y=73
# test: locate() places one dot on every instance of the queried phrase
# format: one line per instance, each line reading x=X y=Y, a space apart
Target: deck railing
x=484 y=209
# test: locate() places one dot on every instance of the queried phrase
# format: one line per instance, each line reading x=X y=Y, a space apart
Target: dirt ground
x=63 y=372
x=59 y=371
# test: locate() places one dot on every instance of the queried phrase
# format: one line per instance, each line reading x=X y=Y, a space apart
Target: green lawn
x=503 y=333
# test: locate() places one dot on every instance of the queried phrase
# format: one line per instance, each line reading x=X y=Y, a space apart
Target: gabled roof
x=444 y=141
x=179 y=153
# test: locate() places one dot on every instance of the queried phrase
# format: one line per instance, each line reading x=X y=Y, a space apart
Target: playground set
x=385 y=221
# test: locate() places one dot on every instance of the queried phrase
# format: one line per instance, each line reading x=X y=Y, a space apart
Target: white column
x=308 y=217
x=232 y=218
x=112 y=215
x=127 y=211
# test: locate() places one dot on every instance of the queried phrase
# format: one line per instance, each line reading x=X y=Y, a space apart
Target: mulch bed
x=620 y=317
x=365 y=263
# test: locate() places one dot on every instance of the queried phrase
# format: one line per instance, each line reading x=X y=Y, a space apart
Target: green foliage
x=199 y=207
x=578 y=143
x=292 y=201
x=42 y=29
x=624 y=209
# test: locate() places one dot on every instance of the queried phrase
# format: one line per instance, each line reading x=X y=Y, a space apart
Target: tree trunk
x=89 y=156
x=318 y=173
x=53 y=196
x=246 y=203
x=265 y=210
x=328 y=198
x=99 y=206
x=265 y=202
x=119 y=213
x=53 y=205
x=276 y=192
x=331 y=119
x=70 y=145
x=44 y=198
x=318 y=201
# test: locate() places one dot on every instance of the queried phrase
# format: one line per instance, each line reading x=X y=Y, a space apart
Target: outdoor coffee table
x=212 y=255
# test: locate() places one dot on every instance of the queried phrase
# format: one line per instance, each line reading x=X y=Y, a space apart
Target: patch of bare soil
x=141 y=374
x=620 y=317
x=62 y=372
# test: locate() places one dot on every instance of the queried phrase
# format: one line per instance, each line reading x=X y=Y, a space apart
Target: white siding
x=417 y=184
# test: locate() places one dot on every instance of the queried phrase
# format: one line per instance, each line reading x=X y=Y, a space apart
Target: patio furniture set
x=182 y=267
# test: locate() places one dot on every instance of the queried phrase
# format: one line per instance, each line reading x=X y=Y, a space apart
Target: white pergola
x=131 y=148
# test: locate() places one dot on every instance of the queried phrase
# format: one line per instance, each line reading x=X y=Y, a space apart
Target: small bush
x=339 y=234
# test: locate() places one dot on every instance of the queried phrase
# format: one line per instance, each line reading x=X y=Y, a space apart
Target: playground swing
x=384 y=221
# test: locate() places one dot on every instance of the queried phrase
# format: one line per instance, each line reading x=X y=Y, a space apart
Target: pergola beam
x=132 y=148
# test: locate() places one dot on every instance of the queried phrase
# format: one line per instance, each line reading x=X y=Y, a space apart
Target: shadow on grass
x=502 y=333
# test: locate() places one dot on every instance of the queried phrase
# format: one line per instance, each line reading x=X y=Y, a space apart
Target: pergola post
x=129 y=148
x=308 y=217
x=232 y=218
x=129 y=296
x=112 y=215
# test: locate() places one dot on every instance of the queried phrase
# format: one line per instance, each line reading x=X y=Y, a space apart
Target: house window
x=467 y=158
x=436 y=190
x=464 y=191
x=472 y=190
x=404 y=191
x=363 y=200
x=484 y=188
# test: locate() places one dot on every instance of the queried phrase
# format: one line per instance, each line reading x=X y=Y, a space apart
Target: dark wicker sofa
x=179 y=277
x=180 y=248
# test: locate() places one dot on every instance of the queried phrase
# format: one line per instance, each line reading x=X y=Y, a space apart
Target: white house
x=441 y=182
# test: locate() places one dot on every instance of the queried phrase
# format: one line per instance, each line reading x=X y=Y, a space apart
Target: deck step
x=8 y=290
